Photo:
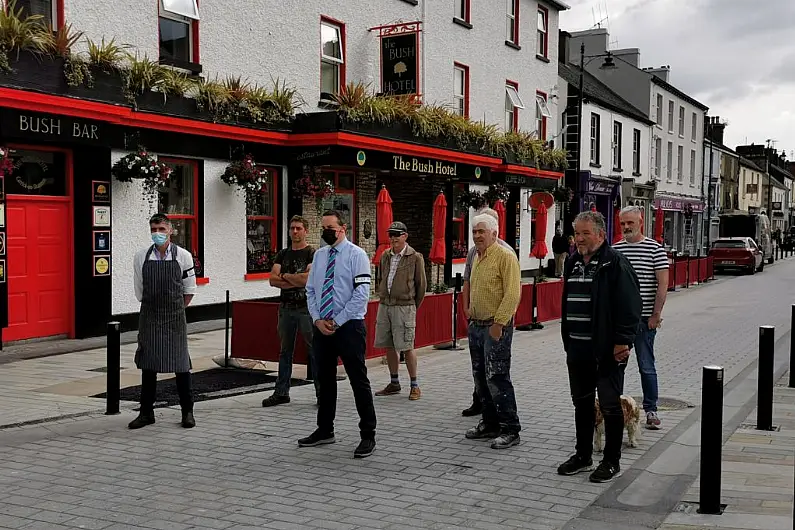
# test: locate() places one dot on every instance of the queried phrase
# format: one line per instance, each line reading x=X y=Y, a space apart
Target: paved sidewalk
x=240 y=467
x=757 y=476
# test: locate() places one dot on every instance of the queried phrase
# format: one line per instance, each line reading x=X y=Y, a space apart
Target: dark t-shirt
x=294 y=262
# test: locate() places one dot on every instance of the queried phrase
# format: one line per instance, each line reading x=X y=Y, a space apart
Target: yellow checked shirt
x=495 y=285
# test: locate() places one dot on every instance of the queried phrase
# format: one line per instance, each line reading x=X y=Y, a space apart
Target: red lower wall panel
x=550 y=297
x=524 y=313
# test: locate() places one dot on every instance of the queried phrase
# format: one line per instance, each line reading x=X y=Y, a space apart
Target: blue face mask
x=159 y=239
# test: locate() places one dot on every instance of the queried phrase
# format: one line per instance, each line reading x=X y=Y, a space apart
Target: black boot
x=188 y=421
x=143 y=419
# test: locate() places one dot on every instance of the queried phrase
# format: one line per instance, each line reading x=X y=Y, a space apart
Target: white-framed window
x=681 y=121
x=543 y=32
x=332 y=57
x=670 y=116
x=47 y=9
x=512 y=21
x=657 y=157
x=617 y=134
x=176 y=23
x=542 y=114
x=694 y=127
x=636 y=151
x=692 y=167
x=659 y=110
x=512 y=105
x=680 y=155
x=461 y=89
x=670 y=162
x=595 y=131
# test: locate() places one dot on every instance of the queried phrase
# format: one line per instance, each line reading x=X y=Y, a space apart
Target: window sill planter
x=34 y=72
x=182 y=107
x=108 y=88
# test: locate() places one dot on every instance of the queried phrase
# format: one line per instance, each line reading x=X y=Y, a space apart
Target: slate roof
x=596 y=91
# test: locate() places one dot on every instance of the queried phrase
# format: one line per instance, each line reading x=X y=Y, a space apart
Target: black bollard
x=764 y=393
x=792 y=350
x=711 y=439
x=226 y=332
x=113 y=361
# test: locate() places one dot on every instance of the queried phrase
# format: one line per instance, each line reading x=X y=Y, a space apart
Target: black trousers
x=149 y=391
x=586 y=378
x=347 y=343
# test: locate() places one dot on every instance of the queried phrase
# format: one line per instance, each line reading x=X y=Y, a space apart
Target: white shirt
x=183 y=257
x=393 y=265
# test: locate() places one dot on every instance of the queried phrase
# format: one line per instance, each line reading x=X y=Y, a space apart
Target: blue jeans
x=644 y=349
x=491 y=369
x=292 y=320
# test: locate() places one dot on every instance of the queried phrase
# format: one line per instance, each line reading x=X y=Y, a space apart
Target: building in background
x=722 y=170
x=775 y=199
x=677 y=139
x=752 y=180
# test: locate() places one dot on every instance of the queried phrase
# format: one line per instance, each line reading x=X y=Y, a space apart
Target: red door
x=39 y=267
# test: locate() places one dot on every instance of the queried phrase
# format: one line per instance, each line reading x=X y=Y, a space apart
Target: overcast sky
x=735 y=56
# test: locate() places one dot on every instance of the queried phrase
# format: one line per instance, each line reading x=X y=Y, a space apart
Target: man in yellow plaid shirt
x=495 y=287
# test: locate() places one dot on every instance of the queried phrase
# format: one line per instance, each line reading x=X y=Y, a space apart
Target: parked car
x=737 y=253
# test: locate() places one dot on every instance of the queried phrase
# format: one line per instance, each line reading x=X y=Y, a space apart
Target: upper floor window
x=595 y=132
x=512 y=105
x=543 y=32
x=512 y=22
x=47 y=9
x=636 y=151
x=680 y=155
x=670 y=116
x=332 y=57
x=462 y=10
x=670 y=162
x=657 y=157
x=178 y=23
x=617 y=139
x=681 y=121
x=659 y=110
x=542 y=114
x=461 y=89
x=692 y=167
x=694 y=127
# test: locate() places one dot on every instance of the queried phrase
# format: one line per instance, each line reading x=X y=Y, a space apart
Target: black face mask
x=329 y=236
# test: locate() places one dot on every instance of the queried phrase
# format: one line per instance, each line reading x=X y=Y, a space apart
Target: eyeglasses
x=395 y=234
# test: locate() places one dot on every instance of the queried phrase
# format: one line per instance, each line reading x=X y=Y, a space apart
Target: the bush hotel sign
x=399 y=59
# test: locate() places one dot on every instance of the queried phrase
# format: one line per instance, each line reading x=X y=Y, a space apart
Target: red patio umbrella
x=617 y=234
x=383 y=218
x=593 y=207
x=659 y=222
x=437 y=254
x=539 y=249
x=499 y=207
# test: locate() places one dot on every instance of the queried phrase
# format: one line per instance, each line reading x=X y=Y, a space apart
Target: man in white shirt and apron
x=165 y=282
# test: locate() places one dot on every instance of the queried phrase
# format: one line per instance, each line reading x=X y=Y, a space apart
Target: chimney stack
x=564 y=42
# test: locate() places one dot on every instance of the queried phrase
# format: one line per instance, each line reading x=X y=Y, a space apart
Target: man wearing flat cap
x=401 y=290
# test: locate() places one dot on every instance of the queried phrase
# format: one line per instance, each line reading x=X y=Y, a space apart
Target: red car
x=737 y=253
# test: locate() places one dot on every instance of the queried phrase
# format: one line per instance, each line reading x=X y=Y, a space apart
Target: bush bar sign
x=399 y=59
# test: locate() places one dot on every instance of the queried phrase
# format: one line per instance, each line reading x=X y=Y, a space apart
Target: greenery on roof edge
x=235 y=99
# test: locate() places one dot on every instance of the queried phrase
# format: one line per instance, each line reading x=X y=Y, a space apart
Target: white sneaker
x=653 y=421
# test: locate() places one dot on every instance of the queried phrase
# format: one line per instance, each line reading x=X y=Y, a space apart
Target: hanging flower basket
x=562 y=194
x=471 y=199
x=246 y=175
x=143 y=166
x=314 y=187
x=496 y=192
x=6 y=164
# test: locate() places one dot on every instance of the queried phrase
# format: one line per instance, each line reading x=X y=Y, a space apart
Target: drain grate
x=102 y=369
x=752 y=427
x=665 y=403
x=691 y=508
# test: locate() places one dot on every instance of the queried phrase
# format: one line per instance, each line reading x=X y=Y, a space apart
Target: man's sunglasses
x=395 y=234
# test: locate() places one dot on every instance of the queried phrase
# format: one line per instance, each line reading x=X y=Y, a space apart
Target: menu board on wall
x=101 y=218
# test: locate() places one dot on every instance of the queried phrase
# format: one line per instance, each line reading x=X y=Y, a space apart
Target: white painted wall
x=224 y=240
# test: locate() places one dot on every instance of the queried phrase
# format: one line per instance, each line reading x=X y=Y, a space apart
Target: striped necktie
x=327 y=296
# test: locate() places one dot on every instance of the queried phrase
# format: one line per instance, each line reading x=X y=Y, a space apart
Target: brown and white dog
x=631 y=422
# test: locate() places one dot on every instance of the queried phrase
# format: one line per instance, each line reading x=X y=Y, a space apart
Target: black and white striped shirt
x=579 y=305
x=647 y=257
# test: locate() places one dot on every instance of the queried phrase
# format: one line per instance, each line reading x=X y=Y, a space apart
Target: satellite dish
x=539 y=198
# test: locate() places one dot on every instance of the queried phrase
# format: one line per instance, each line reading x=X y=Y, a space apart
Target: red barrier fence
x=255 y=336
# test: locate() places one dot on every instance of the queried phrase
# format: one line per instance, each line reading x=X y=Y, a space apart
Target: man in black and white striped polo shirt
x=650 y=262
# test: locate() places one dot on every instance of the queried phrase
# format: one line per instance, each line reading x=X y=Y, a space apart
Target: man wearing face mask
x=337 y=292
x=165 y=282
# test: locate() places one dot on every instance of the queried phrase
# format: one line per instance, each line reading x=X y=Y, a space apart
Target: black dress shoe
x=473 y=410
x=142 y=421
x=365 y=449
x=188 y=421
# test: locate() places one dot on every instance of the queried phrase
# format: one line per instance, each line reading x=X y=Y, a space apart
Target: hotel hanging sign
x=400 y=58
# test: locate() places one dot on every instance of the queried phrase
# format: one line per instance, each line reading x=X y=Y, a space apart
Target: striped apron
x=162 y=329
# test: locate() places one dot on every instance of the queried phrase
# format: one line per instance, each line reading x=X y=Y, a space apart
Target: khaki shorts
x=395 y=326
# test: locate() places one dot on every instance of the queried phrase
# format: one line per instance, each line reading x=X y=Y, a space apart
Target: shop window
x=37 y=173
x=179 y=200
x=344 y=198
x=461 y=89
x=512 y=23
x=262 y=240
x=542 y=115
x=179 y=34
x=332 y=57
x=543 y=32
x=47 y=9
x=460 y=224
x=512 y=105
